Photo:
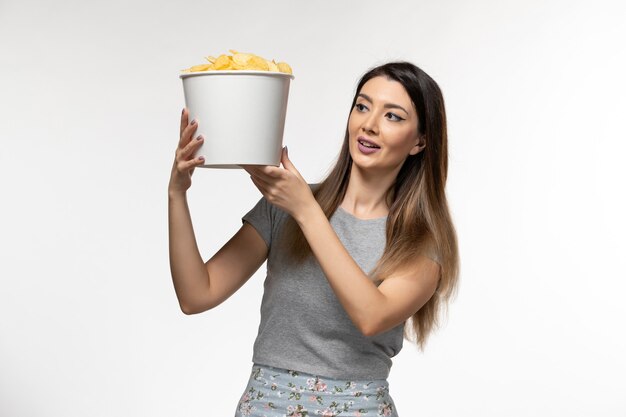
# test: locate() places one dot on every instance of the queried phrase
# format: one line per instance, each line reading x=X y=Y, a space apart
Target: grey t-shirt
x=303 y=325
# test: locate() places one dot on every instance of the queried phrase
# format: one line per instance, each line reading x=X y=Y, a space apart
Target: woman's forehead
x=385 y=90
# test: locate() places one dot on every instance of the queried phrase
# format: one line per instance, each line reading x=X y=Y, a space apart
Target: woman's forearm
x=189 y=273
x=356 y=292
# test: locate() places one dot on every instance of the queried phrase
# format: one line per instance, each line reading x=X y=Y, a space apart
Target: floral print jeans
x=277 y=392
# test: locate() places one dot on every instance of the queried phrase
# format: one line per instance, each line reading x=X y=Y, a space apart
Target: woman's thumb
x=286 y=161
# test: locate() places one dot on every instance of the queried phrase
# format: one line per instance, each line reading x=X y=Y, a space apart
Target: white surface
x=90 y=104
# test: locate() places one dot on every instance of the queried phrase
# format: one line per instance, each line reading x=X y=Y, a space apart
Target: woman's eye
x=395 y=117
x=359 y=106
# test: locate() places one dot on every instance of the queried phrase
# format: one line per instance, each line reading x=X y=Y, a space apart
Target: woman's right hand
x=185 y=163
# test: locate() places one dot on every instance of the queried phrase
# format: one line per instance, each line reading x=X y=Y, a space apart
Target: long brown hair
x=418 y=220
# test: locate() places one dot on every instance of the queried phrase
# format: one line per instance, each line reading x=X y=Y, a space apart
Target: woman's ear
x=420 y=144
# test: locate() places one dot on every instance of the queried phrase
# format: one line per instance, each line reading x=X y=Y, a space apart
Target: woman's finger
x=259 y=185
x=183 y=121
x=191 y=147
x=183 y=166
x=270 y=171
x=187 y=133
x=251 y=169
x=196 y=162
x=186 y=154
x=266 y=184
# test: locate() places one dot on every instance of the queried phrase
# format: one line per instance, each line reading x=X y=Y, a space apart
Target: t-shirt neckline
x=352 y=216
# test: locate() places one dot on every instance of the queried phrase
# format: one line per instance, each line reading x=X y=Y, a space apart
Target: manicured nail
x=183 y=111
x=199 y=138
x=193 y=122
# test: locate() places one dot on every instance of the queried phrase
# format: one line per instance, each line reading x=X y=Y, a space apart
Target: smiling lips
x=366 y=146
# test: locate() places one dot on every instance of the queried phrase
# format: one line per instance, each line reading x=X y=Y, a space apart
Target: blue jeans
x=277 y=392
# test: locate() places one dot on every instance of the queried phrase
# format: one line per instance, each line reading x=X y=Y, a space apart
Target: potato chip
x=258 y=63
x=284 y=67
x=202 y=67
x=240 y=61
x=222 y=62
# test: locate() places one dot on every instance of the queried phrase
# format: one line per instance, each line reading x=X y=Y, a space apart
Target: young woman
x=349 y=260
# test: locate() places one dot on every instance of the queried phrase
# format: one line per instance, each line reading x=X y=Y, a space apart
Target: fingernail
x=183 y=111
x=199 y=138
x=286 y=150
x=201 y=158
x=193 y=122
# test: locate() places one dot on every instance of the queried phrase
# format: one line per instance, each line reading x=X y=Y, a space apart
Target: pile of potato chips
x=240 y=61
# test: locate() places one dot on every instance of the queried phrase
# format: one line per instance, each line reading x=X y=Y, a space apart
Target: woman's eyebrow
x=387 y=105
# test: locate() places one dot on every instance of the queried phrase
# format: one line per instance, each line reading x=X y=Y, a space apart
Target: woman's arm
x=372 y=309
x=199 y=286
x=189 y=274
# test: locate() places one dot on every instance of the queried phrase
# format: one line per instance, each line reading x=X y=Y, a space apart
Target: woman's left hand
x=284 y=187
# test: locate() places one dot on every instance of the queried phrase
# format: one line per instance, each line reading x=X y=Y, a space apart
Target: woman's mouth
x=366 y=146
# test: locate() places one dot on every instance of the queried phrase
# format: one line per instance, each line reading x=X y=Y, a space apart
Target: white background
x=90 y=101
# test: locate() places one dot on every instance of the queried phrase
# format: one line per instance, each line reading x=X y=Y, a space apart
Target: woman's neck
x=367 y=196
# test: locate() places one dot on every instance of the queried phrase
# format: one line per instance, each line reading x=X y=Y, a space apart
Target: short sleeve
x=260 y=217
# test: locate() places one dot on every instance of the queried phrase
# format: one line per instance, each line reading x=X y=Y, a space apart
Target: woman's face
x=382 y=126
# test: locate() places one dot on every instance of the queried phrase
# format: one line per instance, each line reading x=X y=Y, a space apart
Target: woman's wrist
x=308 y=214
x=176 y=194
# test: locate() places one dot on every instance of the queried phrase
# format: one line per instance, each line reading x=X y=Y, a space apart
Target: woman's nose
x=369 y=125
